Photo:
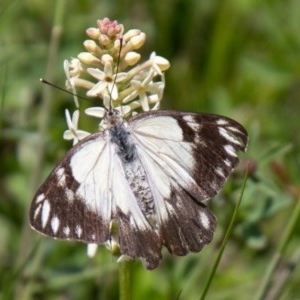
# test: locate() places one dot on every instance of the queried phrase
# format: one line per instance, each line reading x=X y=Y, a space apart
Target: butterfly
x=150 y=176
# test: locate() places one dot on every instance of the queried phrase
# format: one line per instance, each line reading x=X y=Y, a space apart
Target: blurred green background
x=237 y=58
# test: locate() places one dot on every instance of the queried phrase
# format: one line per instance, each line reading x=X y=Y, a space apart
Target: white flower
x=107 y=81
x=97 y=112
x=73 y=133
x=145 y=89
x=159 y=63
x=72 y=70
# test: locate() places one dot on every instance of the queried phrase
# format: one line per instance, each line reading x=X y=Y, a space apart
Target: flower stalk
x=110 y=73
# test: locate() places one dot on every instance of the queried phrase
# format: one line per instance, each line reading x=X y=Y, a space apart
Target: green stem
x=278 y=254
x=125 y=277
x=227 y=235
x=44 y=117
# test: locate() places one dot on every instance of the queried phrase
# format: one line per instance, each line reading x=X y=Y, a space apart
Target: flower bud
x=110 y=28
x=92 y=47
x=137 y=41
x=83 y=83
x=115 y=50
x=104 y=40
x=131 y=58
x=130 y=34
x=106 y=58
x=93 y=33
x=88 y=58
x=163 y=63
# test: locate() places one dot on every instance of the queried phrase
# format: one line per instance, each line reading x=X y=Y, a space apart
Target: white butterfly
x=150 y=176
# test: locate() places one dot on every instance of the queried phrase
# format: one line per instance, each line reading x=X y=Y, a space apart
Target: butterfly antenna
x=117 y=71
x=62 y=89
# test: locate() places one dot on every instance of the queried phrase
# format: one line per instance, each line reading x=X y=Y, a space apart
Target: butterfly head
x=112 y=118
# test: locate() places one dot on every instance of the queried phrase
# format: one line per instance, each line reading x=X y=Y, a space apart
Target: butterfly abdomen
x=139 y=184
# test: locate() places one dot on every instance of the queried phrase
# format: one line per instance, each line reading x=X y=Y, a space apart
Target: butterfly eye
x=113 y=112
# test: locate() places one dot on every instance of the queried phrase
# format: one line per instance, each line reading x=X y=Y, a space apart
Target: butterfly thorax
x=125 y=146
x=133 y=167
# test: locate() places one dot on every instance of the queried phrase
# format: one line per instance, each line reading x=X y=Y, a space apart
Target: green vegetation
x=237 y=58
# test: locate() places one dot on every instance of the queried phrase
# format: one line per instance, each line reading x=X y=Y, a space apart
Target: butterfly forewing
x=201 y=150
x=149 y=176
x=74 y=202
